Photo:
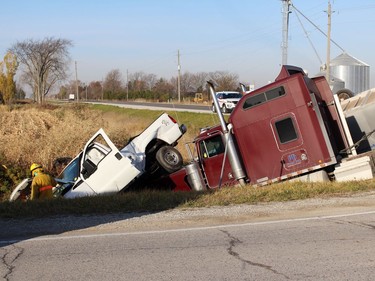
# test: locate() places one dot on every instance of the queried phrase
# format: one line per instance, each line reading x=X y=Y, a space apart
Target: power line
x=317 y=27
x=308 y=38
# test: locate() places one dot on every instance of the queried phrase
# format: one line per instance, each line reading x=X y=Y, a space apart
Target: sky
x=238 y=36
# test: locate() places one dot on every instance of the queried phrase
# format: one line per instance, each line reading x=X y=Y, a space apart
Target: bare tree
x=226 y=81
x=162 y=90
x=44 y=63
x=70 y=88
x=95 y=90
x=190 y=83
x=187 y=85
x=138 y=81
x=151 y=80
x=113 y=83
x=92 y=89
x=199 y=81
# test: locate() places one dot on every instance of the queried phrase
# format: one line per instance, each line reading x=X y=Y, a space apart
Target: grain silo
x=355 y=73
x=336 y=84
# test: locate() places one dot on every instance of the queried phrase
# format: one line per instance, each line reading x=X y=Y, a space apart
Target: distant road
x=158 y=106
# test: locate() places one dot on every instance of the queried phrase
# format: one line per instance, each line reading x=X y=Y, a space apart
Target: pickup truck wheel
x=225 y=109
x=169 y=158
x=213 y=108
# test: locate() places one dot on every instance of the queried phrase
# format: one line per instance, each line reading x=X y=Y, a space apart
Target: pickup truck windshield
x=71 y=172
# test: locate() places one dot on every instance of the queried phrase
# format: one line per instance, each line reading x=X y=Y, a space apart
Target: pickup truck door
x=103 y=167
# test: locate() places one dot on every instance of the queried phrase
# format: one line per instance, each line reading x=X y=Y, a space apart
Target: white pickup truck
x=101 y=168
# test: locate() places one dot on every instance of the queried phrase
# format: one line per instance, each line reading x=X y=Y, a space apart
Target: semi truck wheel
x=344 y=94
x=169 y=158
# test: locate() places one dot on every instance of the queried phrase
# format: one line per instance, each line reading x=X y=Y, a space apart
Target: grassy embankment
x=34 y=134
x=163 y=200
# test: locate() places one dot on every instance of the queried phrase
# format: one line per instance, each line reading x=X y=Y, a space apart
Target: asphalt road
x=199 y=108
x=307 y=240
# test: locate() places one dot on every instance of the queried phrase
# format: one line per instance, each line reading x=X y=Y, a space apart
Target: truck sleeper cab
x=286 y=128
x=283 y=130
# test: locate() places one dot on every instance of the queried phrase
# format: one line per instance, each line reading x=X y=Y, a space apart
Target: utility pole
x=102 y=84
x=328 y=62
x=178 y=76
x=127 y=85
x=284 y=44
x=76 y=81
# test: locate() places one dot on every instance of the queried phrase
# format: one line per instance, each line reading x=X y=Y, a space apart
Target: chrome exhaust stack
x=234 y=159
x=243 y=89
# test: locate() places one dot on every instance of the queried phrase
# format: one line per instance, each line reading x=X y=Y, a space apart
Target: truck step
x=358 y=168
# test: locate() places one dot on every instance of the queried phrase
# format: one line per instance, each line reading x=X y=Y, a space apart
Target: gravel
x=182 y=218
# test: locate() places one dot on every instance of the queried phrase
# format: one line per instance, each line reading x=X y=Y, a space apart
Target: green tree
x=162 y=90
x=7 y=83
x=63 y=93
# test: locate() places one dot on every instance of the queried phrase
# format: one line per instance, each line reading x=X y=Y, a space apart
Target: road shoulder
x=187 y=218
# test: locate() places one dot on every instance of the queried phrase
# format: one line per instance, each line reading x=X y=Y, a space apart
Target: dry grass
x=42 y=134
x=32 y=133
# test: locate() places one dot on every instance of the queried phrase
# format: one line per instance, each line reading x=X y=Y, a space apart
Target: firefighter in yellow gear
x=42 y=184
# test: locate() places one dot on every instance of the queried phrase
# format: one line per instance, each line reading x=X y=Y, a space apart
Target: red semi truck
x=293 y=128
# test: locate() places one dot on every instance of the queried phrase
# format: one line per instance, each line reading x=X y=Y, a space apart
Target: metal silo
x=336 y=83
x=355 y=73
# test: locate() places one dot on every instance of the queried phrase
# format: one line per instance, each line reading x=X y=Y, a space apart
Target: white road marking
x=58 y=237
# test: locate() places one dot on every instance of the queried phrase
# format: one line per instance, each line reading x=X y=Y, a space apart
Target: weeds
x=152 y=201
x=33 y=133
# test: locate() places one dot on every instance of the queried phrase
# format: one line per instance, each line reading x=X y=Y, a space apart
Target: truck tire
x=213 y=108
x=344 y=94
x=169 y=158
x=225 y=109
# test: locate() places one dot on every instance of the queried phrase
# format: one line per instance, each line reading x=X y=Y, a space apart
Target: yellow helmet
x=35 y=166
